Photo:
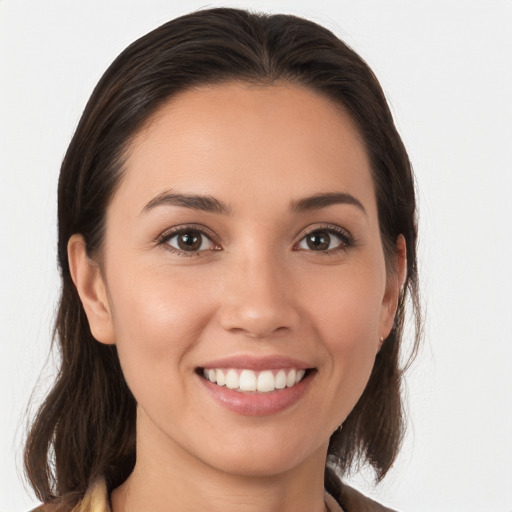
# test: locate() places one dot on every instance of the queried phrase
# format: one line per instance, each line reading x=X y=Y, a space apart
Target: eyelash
x=165 y=237
x=347 y=241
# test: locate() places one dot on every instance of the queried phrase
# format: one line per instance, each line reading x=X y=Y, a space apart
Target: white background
x=446 y=67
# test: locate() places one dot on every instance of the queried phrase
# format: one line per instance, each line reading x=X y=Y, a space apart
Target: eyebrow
x=319 y=201
x=211 y=204
x=195 y=202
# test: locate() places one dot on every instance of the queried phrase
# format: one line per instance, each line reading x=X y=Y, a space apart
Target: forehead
x=226 y=140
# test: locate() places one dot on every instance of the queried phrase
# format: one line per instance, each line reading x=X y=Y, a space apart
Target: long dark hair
x=86 y=426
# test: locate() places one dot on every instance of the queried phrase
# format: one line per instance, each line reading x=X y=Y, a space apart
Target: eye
x=324 y=240
x=188 y=240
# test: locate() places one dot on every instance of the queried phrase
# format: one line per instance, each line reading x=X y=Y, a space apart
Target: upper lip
x=248 y=362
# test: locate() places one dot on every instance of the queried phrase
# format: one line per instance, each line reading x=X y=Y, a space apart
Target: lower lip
x=258 y=404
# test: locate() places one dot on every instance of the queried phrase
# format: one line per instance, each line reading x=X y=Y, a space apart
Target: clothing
x=353 y=501
x=96 y=500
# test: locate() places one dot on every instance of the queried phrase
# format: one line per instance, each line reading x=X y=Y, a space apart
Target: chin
x=264 y=458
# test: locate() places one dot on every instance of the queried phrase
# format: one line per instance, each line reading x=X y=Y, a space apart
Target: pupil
x=319 y=241
x=189 y=241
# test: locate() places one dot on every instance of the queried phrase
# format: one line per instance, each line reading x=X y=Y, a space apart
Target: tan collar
x=96 y=498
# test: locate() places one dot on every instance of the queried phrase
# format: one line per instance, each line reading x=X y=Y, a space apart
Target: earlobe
x=92 y=290
x=395 y=282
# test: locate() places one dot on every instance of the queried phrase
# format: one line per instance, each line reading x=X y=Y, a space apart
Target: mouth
x=244 y=380
x=257 y=386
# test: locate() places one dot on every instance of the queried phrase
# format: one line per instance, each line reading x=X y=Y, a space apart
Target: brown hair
x=86 y=426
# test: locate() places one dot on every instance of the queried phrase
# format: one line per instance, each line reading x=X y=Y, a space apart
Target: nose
x=259 y=299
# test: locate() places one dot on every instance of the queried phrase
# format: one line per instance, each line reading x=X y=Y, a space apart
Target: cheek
x=157 y=321
x=347 y=313
x=347 y=304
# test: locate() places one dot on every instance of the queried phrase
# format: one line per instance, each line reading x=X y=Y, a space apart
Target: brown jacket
x=96 y=500
x=353 y=501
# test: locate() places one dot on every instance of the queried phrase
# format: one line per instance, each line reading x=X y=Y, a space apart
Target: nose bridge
x=258 y=295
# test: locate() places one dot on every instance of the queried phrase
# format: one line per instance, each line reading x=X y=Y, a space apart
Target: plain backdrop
x=446 y=68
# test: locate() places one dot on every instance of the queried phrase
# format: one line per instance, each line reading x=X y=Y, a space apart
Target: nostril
x=258 y=322
x=258 y=333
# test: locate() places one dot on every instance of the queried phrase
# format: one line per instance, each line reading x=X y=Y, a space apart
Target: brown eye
x=190 y=241
x=318 y=241
x=323 y=240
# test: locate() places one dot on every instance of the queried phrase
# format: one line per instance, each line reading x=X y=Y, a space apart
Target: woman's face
x=242 y=247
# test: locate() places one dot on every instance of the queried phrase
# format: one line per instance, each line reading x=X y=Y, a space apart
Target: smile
x=257 y=386
x=247 y=381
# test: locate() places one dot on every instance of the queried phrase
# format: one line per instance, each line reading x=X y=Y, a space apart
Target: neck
x=170 y=478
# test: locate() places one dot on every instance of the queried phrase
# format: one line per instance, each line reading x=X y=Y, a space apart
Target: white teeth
x=250 y=381
x=232 y=380
x=280 y=379
x=290 y=379
x=247 y=381
x=266 y=382
x=221 y=378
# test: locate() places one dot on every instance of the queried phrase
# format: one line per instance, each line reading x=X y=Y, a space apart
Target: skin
x=256 y=289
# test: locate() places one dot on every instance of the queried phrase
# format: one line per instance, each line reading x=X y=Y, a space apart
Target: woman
x=237 y=240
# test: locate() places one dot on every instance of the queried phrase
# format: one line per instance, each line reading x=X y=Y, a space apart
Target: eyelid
x=342 y=233
x=171 y=232
x=162 y=239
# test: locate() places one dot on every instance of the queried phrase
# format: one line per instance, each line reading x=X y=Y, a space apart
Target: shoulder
x=46 y=508
x=54 y=507
x=51 y=507
x=352 y=500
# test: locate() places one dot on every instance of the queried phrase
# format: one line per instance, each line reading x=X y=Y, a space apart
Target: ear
x=92 y=290
x=394 y=284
